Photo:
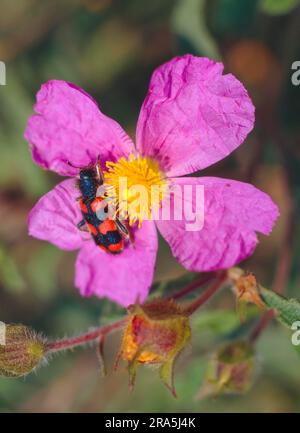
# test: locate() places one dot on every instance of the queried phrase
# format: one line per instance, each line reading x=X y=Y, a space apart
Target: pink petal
x=193 y=116
x=124 y=277
x=68 y=126
x=233 y=213
x=55 y=216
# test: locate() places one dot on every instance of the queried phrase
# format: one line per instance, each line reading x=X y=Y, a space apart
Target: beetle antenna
x=72 y=165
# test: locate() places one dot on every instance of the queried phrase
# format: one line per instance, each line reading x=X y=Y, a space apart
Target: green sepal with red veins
x=155 y=333
x=21 y=352
x=230 y=371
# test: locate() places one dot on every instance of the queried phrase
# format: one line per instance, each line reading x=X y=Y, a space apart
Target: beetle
x=108 y=233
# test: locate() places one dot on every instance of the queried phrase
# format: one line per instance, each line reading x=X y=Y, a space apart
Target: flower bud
x=155 y=333
x=21 y=350
x=246 y=289
x=231 y=370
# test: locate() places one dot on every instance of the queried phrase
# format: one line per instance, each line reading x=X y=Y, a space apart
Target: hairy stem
x=98 y=333
x=207 y=294
x=261 y=326
x=79 y=340
x=194 y=285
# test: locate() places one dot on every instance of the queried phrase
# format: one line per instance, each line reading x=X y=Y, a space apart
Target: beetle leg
x=123 y=230
x=72 y=165
x=82 y=226
x=99 y=172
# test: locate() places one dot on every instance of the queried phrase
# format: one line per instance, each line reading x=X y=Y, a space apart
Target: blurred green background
x=110 y=48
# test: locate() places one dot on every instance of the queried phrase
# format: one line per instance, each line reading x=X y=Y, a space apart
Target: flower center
x=136 y=186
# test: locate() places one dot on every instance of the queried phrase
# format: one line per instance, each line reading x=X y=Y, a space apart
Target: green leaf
x=278 y=7
x=188 y=21
x=288 y=309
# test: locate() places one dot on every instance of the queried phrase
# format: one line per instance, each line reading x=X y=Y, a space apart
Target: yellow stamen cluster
x=137 y=186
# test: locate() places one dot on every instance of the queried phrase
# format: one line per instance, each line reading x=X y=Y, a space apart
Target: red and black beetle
x=108 y=233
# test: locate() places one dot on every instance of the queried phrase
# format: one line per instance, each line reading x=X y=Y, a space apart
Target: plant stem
x=270 y=124
x=204 y=297
x=261 y=326
x=79 y=340
x=196 y=284
x=284 y=263
x=96 y=334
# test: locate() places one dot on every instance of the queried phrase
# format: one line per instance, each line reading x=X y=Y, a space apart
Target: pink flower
x=192 y=117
